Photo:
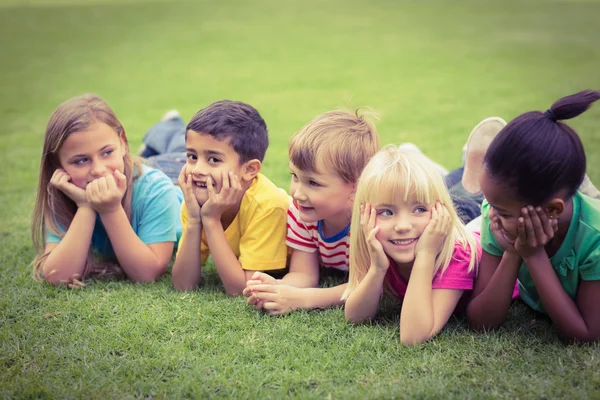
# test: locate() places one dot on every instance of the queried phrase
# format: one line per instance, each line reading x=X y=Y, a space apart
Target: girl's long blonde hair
x=395 y=173
x=54 y=211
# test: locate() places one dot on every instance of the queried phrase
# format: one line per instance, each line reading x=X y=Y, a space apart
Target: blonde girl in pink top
x=406 y=237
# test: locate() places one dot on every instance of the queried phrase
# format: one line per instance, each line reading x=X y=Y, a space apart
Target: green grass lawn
x=432 y=69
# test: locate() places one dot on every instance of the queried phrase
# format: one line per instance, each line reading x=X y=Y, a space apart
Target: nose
x=297 y=192
x=402 y=224
x=98 y=168
x=198 y=168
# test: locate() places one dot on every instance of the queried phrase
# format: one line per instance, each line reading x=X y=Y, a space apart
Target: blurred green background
x=431 y=69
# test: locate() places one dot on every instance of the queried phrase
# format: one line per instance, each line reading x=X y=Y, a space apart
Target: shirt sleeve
x=159 y=216
x=457 y=275
x=298 y=236
x=262 y=247
x=488 y=241
x=589 y=268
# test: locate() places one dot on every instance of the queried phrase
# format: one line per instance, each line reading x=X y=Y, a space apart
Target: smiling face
x=400 y=226
x=207 y=156
x=506 y=207
x=322 y=196
x=92 y=154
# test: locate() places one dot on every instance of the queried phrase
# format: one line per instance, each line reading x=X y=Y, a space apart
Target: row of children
x=101 y=211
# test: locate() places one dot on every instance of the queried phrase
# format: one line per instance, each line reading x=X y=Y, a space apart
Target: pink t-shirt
x=456 y=275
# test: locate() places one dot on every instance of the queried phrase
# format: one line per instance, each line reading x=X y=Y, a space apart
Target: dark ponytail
x=538 y=155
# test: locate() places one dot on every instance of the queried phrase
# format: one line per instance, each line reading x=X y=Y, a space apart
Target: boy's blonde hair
x=343 y=141
x=54 y=210
x=396 y=173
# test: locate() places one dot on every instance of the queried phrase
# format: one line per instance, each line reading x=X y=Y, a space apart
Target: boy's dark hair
x=539 y=156
x=237 y=121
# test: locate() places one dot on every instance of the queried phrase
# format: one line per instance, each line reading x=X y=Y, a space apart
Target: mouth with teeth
x=202 y=185
x=403 y=242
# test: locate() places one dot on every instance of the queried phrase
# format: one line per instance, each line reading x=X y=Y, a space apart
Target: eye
x=213 y=160
x=80 y=161
x=385 y=212
x=420 y=210
x=191 y=156
x=294 y=176
x=108 y=152
x=314 y=183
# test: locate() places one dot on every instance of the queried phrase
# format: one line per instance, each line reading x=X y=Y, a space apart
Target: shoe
x=479 y=140
x=169 y=115
x=415 y=148
x=588 y=188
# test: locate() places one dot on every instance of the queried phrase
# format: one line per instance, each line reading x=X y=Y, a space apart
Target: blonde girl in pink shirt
x=407 y=238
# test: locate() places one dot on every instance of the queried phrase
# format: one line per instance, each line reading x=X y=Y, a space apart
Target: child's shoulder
x=151 y=181
x=264 y=194
x=589 y=212
x=587 y=239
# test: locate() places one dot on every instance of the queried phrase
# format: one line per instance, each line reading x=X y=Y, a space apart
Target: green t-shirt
x=577 y=259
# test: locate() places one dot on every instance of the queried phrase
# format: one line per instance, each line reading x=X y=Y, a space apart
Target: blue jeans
x=165 y=147
x=467 y=205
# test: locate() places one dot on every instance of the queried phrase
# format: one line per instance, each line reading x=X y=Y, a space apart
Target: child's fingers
x=372 y=218
x=102 y=184
x=111 y=183
x=536 y=222
x=529 y=231
x=210 y=188
x=371 y=238
x=181 y=180
x=364 y=214
x=521 y=229
x=264 y=287
x=120 y=179
x=267 y=296
x=235 y=182
x=546 y=223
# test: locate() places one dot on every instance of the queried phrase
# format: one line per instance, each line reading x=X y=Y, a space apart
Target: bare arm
x=425 y=311
x=577 y=321
x=140 y=261
x=304 y=270
x=187 y=269
x=363 y=302
x=228 y=266
x=66 y=259
x=492 y=293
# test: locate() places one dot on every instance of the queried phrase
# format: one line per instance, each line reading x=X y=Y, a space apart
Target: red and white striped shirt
x=333 y=250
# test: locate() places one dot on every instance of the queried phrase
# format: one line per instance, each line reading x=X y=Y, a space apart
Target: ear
x=554 y=208
x=353 y=193
x=250 y=169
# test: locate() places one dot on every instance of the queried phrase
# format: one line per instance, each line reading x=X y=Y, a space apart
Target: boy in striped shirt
x=326 y=159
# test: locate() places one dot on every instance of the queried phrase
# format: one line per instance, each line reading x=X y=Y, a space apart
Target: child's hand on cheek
x=496 y=227
x=431 y=240
x=368 y=215
x=193 y=207
x=230 y=194
x=105 y=194
x=62 y=181
x=536 y=229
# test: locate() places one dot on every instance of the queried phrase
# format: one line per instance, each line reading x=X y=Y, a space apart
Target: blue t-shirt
x=155 y=208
